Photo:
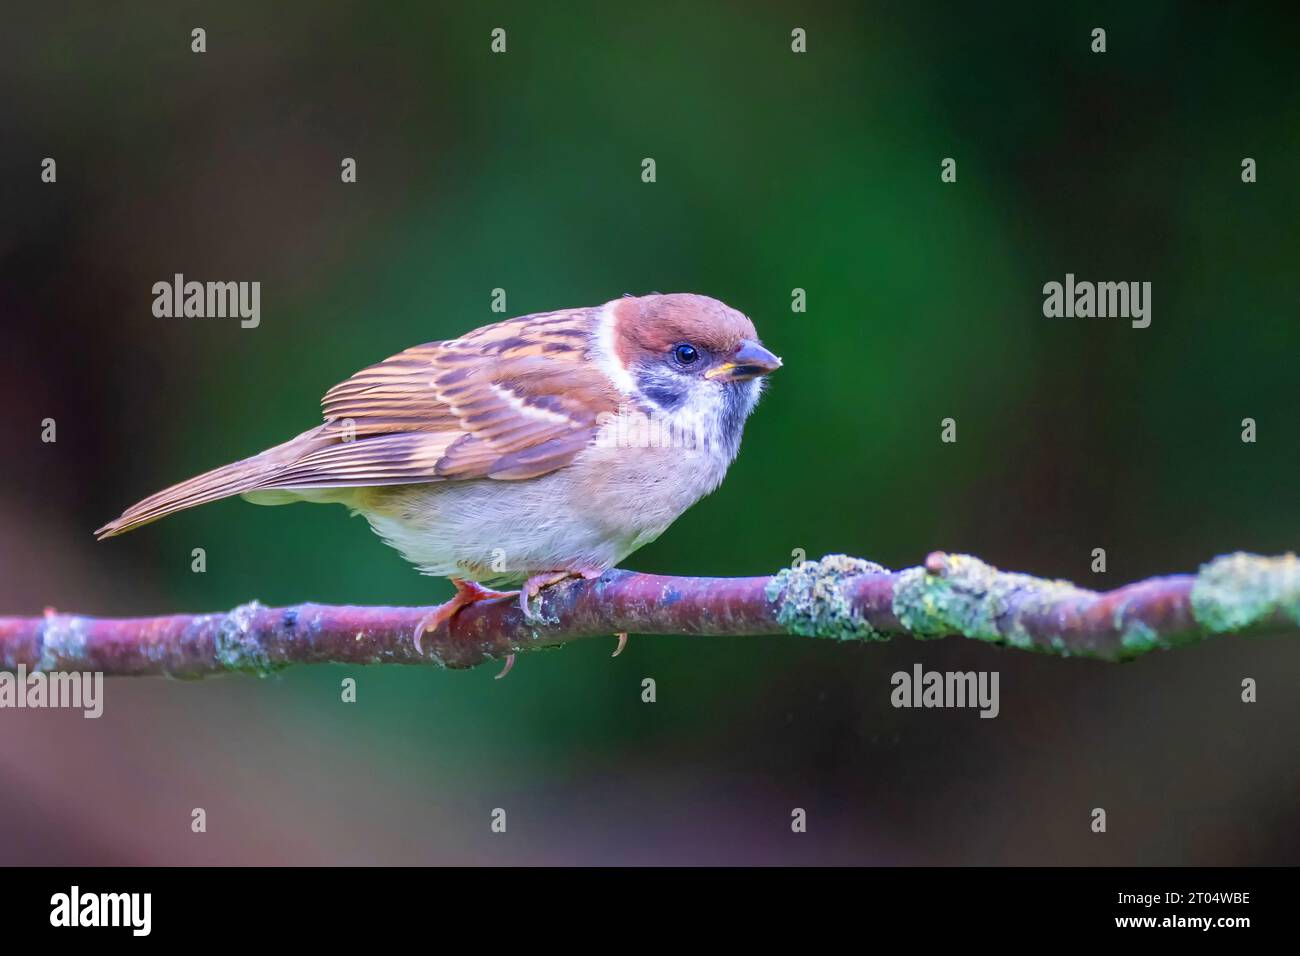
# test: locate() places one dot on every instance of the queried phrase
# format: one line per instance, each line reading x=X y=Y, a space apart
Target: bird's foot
x=467 y=593
x=534 y=585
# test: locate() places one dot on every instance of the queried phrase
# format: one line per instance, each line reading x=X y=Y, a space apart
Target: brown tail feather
x=233 y=479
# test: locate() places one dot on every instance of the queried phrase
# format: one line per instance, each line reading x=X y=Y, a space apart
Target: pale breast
x=617 y=495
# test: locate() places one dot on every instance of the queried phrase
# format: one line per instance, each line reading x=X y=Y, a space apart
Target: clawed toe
x=533 y=586
x=432 y=621
x=467 y=593
x=470 y=592
x=510 y=662
x=524 y=598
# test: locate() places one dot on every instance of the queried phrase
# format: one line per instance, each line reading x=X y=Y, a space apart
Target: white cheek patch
x=603 y=349
x=695 y=421
x=703 y=399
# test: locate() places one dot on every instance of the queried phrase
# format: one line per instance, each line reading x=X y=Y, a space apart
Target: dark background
x=775 y=171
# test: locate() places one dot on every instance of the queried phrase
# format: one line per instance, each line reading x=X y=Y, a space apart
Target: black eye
x=685 y=353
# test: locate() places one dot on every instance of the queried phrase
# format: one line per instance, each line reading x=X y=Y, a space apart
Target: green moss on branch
x=1240 y=590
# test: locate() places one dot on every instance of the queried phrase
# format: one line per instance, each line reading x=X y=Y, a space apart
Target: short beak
x=750 y=360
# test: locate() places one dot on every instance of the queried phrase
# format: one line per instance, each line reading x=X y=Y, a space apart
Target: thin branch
x=838 y=597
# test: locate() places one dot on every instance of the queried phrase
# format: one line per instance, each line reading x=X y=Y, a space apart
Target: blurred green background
x=775 y=171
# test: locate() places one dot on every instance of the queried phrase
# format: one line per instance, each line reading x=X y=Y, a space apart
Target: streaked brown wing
x=513 y=400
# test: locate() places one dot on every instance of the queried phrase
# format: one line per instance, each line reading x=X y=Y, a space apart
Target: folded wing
x=509 y=401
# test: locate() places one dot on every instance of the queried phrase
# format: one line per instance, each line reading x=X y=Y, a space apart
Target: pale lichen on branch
x=838 y=597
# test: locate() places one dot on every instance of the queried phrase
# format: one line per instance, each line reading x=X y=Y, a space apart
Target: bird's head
x=689 y=355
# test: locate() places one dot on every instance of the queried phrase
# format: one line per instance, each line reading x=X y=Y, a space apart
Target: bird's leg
x=467 y=593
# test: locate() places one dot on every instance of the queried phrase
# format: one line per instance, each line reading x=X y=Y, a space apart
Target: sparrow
x=530 y=451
